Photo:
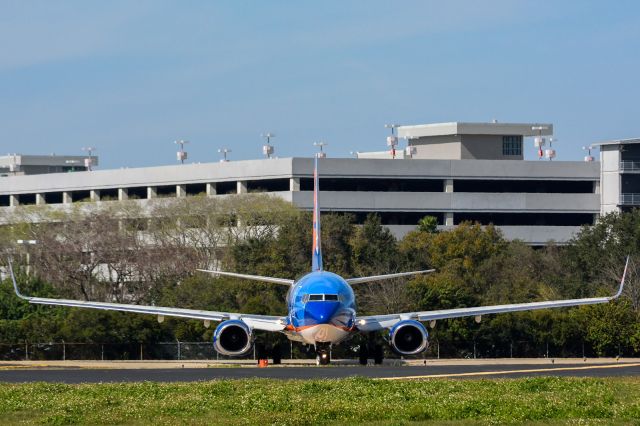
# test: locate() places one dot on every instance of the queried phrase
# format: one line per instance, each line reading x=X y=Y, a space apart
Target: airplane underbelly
x=326 y=333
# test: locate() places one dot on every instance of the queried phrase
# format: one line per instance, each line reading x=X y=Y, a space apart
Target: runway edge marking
x=23 y=367
x=495 y=373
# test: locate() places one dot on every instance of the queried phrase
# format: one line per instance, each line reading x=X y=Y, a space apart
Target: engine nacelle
x=233 y=338
x=408 y=337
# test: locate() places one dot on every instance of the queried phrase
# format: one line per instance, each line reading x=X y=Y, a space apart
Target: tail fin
x=316 y=252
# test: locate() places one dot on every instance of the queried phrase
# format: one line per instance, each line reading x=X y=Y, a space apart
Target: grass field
x=346 y=401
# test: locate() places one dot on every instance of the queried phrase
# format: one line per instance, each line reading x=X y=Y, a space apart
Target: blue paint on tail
x=316 y=253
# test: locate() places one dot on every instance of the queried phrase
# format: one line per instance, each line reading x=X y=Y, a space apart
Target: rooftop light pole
x=268 y=149
x=321 y=144
x=550 y=153
x=88 y=162
x=588 y=158
x=539 y=142
x=392 y=141
x=224 y=152
x=182 y=154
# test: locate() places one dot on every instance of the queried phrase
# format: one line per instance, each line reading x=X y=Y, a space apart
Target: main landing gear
x=371 y=349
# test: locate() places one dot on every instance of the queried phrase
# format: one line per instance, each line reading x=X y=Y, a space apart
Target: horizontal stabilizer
x=386 y=276
x=274 y=280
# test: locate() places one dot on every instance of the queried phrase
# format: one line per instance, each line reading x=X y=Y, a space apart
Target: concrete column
x=67 y=198
x=448 y=219
x=123 y=194
x=94 y=194
x=242 y=187
x=14 y=200
x=596 y=186
x=152 y=192
x=448 y=185
x=40 y=200
x=181 y=191
x=294 y=184
x=211 y=189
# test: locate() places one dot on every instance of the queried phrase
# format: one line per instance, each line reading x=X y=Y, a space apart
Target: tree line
x=130 y=252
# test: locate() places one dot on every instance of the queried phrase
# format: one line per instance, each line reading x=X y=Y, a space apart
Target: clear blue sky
x=129 y=77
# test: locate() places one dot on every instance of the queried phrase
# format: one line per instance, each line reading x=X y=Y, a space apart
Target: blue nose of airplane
x=320 y=312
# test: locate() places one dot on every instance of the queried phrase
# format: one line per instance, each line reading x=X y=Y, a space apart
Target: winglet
x=624 y=276
x=15 y=284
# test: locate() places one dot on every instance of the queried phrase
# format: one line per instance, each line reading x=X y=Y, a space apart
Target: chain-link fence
x=176 y=350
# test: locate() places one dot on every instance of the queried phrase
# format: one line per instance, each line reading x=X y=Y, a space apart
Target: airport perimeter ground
x=604 y=391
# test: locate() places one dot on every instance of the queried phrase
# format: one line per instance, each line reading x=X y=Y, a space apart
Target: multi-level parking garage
x=535 y=201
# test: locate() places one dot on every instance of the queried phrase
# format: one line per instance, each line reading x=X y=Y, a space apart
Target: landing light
x=362 y=322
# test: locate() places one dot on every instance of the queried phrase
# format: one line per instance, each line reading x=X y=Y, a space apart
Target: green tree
x=428 y=224
x=374 y=248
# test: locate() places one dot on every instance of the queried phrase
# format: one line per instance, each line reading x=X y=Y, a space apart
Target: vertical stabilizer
x=316 y=252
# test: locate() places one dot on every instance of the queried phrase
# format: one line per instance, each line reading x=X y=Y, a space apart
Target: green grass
x=346 y=401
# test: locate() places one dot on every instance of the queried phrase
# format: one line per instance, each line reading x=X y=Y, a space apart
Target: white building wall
x=609 y=178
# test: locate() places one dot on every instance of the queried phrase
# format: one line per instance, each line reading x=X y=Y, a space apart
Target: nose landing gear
x=323 y=354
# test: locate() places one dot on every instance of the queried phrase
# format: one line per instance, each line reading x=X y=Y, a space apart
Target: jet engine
x=233 y=338
x=408 y=337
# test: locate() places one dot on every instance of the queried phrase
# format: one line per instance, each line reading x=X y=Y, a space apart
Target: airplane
x=321 y=309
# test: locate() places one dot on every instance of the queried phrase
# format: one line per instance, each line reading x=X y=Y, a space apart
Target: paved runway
x=90 y=375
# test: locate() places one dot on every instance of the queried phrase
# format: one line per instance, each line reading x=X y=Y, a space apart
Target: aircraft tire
x=378 y=354
x=323 y=358
x=276 y=354
x=363 y=355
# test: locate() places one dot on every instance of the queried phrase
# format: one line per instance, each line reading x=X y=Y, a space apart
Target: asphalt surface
x=89 y=375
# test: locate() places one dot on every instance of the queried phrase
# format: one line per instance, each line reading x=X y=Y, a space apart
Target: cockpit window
x=320 y=298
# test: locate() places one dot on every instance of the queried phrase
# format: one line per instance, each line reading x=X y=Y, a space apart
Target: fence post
x=178 y=349
x=291 y=353
x=64 y=351
x=26 y=350
x=438 y=345
x=102 y=351
x=511 y=349
x=140 y=351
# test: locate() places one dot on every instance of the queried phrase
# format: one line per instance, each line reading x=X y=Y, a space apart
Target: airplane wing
x=274 y=280
x=385 y=277
x=380 y=322
x=258 y=322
